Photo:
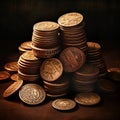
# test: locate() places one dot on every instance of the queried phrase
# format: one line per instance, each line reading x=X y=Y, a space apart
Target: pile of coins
x=72 y=30
x=28 y=67
x=95 y=57
x=45 y=39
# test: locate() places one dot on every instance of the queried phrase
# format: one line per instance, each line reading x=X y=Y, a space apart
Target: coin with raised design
x=51 y=69
x=32 y=94
x=12 y=88
x=89 y=98
x=4 y=75
x=63 y=104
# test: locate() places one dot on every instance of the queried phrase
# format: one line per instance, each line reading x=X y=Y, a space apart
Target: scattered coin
x=87 y=98
x=32 y=94
x=63 y=104
x=15 y=77
x=4 y=75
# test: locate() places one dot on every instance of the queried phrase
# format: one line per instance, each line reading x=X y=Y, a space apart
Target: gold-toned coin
x=63 y=104
x=89 y=98
x=51 y=69
x=26 y=45
x=11 y=66
x=4 y=75
x=32 y=94
x=12 y=88
x=15 y=77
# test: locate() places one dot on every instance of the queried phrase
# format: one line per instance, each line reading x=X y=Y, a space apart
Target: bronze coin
x=72 y=59
x=15 y=77
x=4 y=75
x=26 y=45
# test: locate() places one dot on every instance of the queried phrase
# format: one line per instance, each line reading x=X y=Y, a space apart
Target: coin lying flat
x=32 y=94
x=87 y=98
x=11 y=66
x=4 y=75
x=63 y=104
x=51 y=69
x=26 y=45
x=14 y=77
x=12 y=88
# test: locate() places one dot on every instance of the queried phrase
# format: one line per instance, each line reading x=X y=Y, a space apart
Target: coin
x=11 y=66
x=32 y=94
x=90 y=98
x=4 y=75
x=14 y=77
x=51 y=69
x=26 y=45
x=63 y=104
x=72 y=59
x=12 y=88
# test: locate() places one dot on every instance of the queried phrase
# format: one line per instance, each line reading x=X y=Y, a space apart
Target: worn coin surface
x=4 y=75
x=63 y=104
x=32 y=94
x=89 y=98
x=12 y=88
x=51 y=69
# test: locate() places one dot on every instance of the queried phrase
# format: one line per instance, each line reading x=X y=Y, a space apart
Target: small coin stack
x=85 y=78
x=45 y=39
x=25 y=46
x=94 y=56
x=28 y=66
x=72 y=30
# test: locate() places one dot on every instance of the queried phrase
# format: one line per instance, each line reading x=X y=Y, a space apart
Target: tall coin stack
x=45 y=39
x=72 y=30
x=85 y=78
x=28 y=67
x=95 y=57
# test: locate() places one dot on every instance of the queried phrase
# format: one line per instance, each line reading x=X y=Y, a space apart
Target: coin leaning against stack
x=45 y=39
x=72 y=30
x=28 y=66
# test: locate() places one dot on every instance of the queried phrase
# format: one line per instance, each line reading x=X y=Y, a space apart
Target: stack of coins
x=28 y=66
x=45 y=39
x=72 y=30
x=85 y=78
x=95 y=57
x=25 y=46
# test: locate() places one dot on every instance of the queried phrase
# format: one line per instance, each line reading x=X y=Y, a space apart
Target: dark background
x=17 y=18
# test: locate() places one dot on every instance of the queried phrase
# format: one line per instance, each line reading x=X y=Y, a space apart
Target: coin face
x=63 y=104
x=11 y=66
x=72 y=59
x=51 y=69
x=70 y=19
x=32 y=94
x=12 y=88
x=26 y=45
x=4 y=75
x=89 y=98
x=14 y=77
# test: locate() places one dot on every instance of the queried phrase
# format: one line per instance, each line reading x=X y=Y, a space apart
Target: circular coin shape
x=4 y=75
x=12 y=88
x=32 y=94
x=51 y=69
x=87 y=98
x=63 y=104
x=14 y=77
x=26 y=45
x=72 y=59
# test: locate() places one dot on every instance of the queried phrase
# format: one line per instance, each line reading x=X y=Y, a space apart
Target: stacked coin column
x=45 y=39
x=95 y=57
x=72 y=30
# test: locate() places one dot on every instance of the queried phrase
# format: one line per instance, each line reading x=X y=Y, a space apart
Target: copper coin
x=51 y=69
x=32 y=94
x=72 y=59
x=4 y=75
x=63 y=104
x=15 y=77
x=89 y=98
x=12 y=88
x=11 y=66
x=26 y=45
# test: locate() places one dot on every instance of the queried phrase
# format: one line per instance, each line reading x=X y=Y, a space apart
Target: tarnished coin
x=93 y=46
x=70 y=19
x=51 y=69
x=72 y=59
x=63 y=104
x=32 y=94
x=11 y=66
x=89 y=98
x=4 y=75
x=12 y=88
x=15 y=77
